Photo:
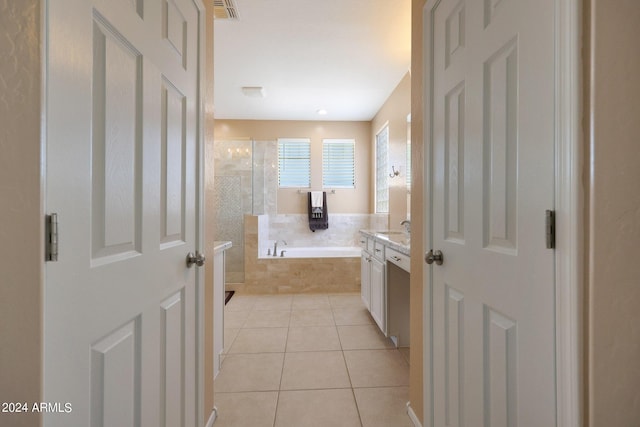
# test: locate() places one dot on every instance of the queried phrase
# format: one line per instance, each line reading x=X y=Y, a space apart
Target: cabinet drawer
x=378 y=251
x=401 y=260
x=363 y=242
x=370 y=243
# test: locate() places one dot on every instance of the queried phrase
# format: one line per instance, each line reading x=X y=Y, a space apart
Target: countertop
x=220 y=245
x=395 y=239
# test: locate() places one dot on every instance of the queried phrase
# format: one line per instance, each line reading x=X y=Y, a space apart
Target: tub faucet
x=407 y=225
x=275 y=247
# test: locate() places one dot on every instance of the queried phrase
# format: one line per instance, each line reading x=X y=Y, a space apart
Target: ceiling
x=344 y=56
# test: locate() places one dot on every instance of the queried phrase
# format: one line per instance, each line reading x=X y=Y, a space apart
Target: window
x=382 y=171
x=338 y=165
x=294 y=163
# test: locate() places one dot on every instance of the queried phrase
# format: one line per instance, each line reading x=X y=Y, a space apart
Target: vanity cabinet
x=372 y=283
x=378 y=307
x=385 y=269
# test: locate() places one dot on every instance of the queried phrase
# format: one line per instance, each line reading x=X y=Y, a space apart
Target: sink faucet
x=275 y=246
x=407 y=225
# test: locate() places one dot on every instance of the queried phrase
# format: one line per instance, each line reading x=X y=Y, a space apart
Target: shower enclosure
x=244 y=172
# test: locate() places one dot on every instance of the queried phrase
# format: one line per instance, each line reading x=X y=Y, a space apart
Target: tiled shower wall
x=244 y=170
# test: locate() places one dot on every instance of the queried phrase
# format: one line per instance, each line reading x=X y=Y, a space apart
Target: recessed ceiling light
x=322 y=112
x=254 y=91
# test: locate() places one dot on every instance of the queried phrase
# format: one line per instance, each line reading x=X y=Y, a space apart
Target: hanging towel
x=320 y=222
x=317 y=203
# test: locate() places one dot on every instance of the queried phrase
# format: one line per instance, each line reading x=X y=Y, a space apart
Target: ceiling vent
x=225 y=9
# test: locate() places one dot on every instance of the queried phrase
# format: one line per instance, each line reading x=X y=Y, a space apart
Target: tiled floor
x=309 y=360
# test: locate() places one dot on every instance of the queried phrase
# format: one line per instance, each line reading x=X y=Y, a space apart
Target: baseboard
x=213 y=417
x=413 y=416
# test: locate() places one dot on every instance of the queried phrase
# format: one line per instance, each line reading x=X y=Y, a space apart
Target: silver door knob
x=432 y=257
x=197 y=259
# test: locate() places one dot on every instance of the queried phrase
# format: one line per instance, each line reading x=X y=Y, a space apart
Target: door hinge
x=51 y=238
x=550 y=228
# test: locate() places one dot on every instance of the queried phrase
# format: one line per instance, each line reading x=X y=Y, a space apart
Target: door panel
x=115 y=377
x=116 y=145
x=491 y=109
x=121 y=304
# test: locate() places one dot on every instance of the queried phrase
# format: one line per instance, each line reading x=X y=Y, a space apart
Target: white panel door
x=492 y=118
x=121 y=314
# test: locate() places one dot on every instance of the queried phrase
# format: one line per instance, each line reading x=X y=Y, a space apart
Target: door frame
x=201 y=412
x=569 y=203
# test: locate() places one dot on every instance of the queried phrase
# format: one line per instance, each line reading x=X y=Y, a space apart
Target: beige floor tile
x=255 y=409
x=347 y=300
x=377 y=368
x=268 y=319
x=352 y=316
x=235 y=319
x=250 y=372
x=314 y=370
x=230 y=335
x=240 y=303
x=301 y=302
x=317 y=408
x=273 y=302
x=311 y=317
x=260 y=340
x=405 y=351
x=383 y=407
x=313 y=338
x=363 y=337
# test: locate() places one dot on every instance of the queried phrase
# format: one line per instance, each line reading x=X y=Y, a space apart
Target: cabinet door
x=378 y=295
x=365 y=279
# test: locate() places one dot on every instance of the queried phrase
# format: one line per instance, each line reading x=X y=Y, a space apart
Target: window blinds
x=338 y=163
x=294 y=162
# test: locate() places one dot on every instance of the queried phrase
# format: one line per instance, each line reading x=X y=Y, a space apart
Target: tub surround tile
x=277 y=276
x=301 y=409
x=314 y=370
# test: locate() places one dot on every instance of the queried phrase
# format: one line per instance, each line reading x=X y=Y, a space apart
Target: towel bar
x=306 y=191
